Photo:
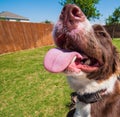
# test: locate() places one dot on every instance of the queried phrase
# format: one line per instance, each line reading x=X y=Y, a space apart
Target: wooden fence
x=113 y=30
x=16 y=36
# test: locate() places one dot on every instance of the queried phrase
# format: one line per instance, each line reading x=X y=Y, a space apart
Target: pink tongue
x=57 y=60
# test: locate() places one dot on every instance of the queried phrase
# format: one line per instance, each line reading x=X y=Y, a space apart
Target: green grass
x=116 y=42
x=28 y=90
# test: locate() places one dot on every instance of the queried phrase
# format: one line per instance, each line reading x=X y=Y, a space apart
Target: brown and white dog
x=85 y=53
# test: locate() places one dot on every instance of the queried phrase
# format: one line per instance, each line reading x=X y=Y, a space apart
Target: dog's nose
x=70 y=14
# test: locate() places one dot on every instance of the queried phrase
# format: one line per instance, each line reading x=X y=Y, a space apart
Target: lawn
x=28 y=90
x=116 y=42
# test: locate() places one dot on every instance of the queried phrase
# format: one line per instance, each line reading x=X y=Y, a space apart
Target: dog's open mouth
x=73 y=32
x=57 y=60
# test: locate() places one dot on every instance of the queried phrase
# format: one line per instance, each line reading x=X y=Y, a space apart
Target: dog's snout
x=71 y=13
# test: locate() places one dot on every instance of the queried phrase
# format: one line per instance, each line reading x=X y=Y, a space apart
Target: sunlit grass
x=28 y=90
x=116 y=42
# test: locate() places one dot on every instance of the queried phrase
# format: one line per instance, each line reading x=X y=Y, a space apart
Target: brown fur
x=95 y=43
x=109 y=106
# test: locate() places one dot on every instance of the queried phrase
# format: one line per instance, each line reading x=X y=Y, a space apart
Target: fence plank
x=113 y=30
x=16 y=36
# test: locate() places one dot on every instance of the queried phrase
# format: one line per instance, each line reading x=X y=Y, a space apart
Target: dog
x=91 y=62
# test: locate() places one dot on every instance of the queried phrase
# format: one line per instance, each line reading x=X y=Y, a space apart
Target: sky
x=42 y=10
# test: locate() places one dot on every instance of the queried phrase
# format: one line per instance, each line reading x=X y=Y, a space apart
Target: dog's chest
x=82 y=110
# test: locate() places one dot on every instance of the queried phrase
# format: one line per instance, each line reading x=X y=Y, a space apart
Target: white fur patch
x=84 y=26
x=80 y=83
x=82 y=110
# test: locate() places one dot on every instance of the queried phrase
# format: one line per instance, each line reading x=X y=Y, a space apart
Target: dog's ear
x=98 y=27
x=100 y=31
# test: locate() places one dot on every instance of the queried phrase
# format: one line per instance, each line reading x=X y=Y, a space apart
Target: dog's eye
x=100 y=33
x=103 y=34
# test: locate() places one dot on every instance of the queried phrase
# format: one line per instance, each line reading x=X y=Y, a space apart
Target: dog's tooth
x=87 y=62
x=74 y=59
